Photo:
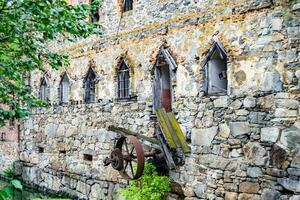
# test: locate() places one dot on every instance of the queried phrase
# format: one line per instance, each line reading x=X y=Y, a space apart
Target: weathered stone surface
x=290 y=137
x=287 y=103
x=278 y=156
x=224 y=130
x=199 y=189
x=239 y=128
x=283 y=112
x=289 y=184
x=296 y=7
x=256 y=154
x=50 y=129
x=97 y=192
x=221 y=102
x=294 y=171
x=83 y=188
x=271 y=82
x=295 y=197
x=275 y=172
x=249 y=187
x=270 y=194
x=269 y=134
x=231 y=196
x=254 y=172
x=296 y=159
x=213 y=161
x=244 y=196
x=203 y=137
x=249 y=102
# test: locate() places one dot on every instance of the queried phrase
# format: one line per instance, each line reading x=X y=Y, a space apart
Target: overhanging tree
x=26 y=28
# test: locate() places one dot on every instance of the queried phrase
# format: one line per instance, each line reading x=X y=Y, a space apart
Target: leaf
x=17 y=184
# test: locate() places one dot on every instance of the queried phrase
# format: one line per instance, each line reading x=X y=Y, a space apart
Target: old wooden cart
x=128 y=156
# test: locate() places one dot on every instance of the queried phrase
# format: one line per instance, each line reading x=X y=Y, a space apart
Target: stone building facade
x=9 y=145
x=244 y=136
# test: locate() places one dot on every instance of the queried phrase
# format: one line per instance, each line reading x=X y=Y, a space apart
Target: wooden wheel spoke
x=131 y=168
x=132 y=150
x=126 y=165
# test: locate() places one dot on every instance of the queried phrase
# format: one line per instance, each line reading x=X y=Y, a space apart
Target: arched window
x=95 y=15
x=123 y=81
x=90 y=81
x=216 y=70
x=64 y=88
x=44 y=90
x=127 y=5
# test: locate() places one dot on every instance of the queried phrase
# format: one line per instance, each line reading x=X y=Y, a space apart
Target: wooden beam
x=126 y=132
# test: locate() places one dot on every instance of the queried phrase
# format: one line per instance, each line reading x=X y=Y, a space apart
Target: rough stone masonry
x=245 y=143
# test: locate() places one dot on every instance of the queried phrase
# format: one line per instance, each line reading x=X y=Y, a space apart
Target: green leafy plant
x=7 y=192
x=150 y=186
x=27 y=28
x=10 y=173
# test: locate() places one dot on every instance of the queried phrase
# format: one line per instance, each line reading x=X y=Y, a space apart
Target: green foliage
x=26 y=28
x=7 y=192
x=10 y=173
x=150 y=186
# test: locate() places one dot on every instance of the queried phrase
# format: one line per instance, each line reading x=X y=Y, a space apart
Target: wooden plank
x=164 y=128
x=126 y=132
x=167 y=154
x=170 y=128
x=185 y=147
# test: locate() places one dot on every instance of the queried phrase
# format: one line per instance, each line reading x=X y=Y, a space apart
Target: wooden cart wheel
x=133 y=156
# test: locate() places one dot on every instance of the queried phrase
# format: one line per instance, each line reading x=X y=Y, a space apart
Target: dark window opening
x=62 y=152
x=43 y=90
x=90 y=86
x=127 y=5
x=3 y=136
x=216 y=71
x=41 y=149
x=123 y=81
x=95 y=15
x=64 y=89
x=88 y=157
x=12 y=122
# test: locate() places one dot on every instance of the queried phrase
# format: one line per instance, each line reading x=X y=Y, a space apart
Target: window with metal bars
x=123 y=81
x=90 y=86
x=43 y=90
x=95 y=15
x=127 y=5
x=64 y=89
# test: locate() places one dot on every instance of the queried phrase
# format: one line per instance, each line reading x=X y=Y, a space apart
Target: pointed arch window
x=95 y=15
x=127 y=5
x=90 y=81
x=64 y=88
x=123 y=81
x=43 y=94
x=215 y=64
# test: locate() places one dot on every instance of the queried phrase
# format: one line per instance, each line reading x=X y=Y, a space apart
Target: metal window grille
x=127 y=5
x=95 y=17
x=43 y=90
x=64 y=89
x=123 y=81
x=90 y=87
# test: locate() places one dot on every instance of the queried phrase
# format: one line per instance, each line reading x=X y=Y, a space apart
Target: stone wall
x=244 y=145
x=9 y=147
